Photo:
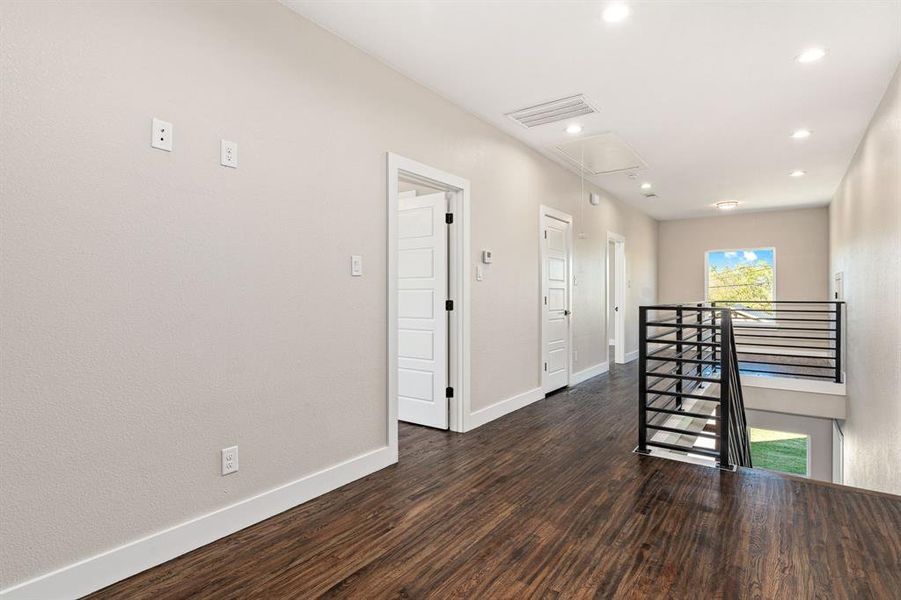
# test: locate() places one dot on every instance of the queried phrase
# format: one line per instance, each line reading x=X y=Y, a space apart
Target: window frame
x=707 y=267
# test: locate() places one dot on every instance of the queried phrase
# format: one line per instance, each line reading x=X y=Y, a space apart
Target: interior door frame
x=458 y=331
x=619 y=290
x=542 y=256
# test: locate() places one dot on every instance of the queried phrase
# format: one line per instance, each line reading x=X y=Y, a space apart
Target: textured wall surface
x=157 y=307
x=800 y=237
x=865 y=245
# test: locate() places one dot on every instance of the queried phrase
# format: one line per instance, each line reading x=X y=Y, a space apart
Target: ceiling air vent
x=552 y=112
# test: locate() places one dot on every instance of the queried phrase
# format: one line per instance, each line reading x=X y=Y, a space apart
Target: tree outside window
x=740 y=276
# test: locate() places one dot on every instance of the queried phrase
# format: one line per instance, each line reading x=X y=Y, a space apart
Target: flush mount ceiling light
x=616 y=13
x=798 y=173
x=800 y=134
x=727 y=204
x=646 y=186
x=811 y=55
x=573 y=129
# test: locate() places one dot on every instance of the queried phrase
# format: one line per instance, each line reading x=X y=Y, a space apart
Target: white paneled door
x=421 y=313
x=556 y=257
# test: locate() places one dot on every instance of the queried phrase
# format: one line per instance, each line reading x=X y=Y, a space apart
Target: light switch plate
x=356 y=265
x=161 y=135
x=228 y=154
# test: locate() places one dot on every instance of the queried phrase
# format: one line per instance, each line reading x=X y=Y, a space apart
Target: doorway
x=555 y=237
x=616 y=297
x=428 y=297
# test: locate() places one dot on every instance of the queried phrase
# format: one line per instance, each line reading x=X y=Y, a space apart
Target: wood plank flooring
x=550 y=502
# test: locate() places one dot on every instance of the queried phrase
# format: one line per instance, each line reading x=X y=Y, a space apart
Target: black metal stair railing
x=788 y=338
x=689 y=386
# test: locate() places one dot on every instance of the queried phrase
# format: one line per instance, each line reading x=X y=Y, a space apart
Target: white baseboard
x=499 y=409
x=630 y=356
x=91 y=574
x=585 y=374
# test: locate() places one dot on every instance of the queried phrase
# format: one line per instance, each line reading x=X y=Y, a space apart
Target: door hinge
x=545 y=366
x=448 y=305
x=449 y=392
x=449 y=218
x=545 y=234
x=545 y=300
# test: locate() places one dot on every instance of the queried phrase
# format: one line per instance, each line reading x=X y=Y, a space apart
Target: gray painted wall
x=157 y=307
x=865 y=245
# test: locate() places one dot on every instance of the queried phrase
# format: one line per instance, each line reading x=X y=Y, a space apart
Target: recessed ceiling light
x=811 y=55
x=646 y=186
x=801 y=134
x=616 y=13
x=727 y=204
x=798 y=173
x=574 y=129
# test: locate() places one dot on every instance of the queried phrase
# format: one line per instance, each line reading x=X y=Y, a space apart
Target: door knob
x=615 y=309
x=566 y=313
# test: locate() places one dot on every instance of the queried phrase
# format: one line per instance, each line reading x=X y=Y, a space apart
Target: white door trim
x=566 y=218
x=458 y=288
x=619 y=317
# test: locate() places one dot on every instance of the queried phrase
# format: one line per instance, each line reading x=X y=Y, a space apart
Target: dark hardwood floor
x=550 y=502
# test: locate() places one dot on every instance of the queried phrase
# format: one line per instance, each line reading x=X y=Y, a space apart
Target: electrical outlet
x=228 y=154
x=161 y=135
x=356 y=265
x=230 y=460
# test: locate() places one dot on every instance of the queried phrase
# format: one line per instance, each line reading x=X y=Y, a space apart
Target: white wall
x=157 y=307
x=801 y=239
x=865 y=245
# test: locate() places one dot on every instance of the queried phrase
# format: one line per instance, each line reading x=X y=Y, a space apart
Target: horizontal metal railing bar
x=688 y=307
x=703 y=451
x=664 y=348
x=777 y=301
x=785 y=337
x=778 y=328
x=685 y=343
x=682 y=325
x=676 y=320
x=738 y=320
x=783 y=364
x=683 y=412
x=682 y=377
x=685 y=395
x=792 y=373
x=746 y=352
x=684 y=431
x=694 y=361
x=684 y=340
x=787 y=310
x=768 y=345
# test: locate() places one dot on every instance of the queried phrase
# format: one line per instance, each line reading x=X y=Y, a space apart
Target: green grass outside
x=779 y=451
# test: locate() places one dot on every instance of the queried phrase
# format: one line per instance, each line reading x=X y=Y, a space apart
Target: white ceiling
x=707 y=93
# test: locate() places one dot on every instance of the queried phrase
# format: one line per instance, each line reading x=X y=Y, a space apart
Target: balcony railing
x=797 y=339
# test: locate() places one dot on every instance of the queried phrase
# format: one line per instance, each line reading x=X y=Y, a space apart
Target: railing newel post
x=642 y=379
x=725 y=382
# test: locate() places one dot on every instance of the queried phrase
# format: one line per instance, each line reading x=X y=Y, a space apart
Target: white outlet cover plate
x=229 y=460
x=228 y=154
x=161 y=135
x=356 y=265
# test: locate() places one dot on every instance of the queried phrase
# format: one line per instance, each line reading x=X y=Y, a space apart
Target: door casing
x=619 y=289
x=458 y=287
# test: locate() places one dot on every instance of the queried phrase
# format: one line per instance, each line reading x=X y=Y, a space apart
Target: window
x=741 y=275
x=779 y=451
